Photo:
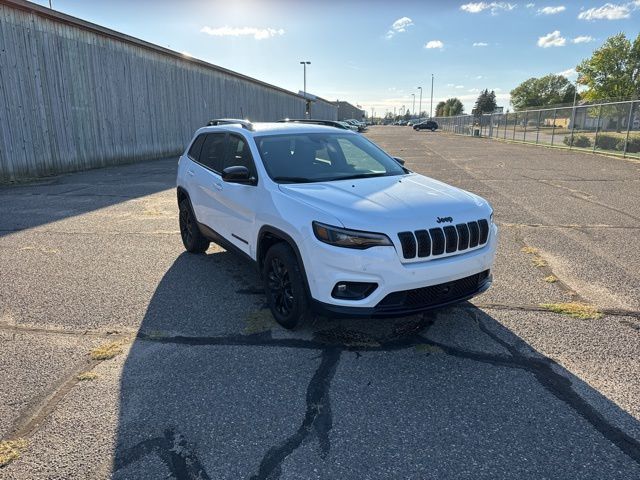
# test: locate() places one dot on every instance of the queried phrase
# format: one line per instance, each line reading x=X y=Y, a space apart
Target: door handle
x=218 y=186
x=190 y=173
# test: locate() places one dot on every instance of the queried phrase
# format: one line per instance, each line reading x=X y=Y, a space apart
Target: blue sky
x=375 y=53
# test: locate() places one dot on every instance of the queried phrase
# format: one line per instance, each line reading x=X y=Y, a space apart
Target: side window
x=212 y=154
x=196 y=147
x=240 y=155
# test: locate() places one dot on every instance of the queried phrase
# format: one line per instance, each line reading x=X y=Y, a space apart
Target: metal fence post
x=595 y=141
x=553 y=131
x=573 y=124
x=526 y=121
x=515 y=124
x=538 y=126
x=626 y=142
x=506 y=122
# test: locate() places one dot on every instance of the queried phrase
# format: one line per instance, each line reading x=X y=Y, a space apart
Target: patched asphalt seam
x=561 y=387
x=317 y=419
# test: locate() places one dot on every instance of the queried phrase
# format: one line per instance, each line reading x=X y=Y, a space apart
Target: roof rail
x=329 y=123
x=230 y=121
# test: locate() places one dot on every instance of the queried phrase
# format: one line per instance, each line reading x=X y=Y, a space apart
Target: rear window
x=196 y=147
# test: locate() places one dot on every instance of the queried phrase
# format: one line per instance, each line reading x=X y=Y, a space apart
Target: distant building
x=347 y=111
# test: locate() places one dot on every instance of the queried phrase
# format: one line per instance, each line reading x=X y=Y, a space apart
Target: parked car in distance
x=428 y=125
x=332 y=223
x=328 y=123
x=361 y=126
x=349 y=126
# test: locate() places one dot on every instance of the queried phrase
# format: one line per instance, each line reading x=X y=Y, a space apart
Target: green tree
x=440 y=109
x=453 y=106
x=407 y=115
x=544 y=91
x=486 y=102
x=613 y=72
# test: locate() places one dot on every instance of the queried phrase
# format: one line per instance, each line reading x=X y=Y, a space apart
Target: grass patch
x=425 y=348
x=538 y=262
x=258 y=322
x=86 y=376
x=529 y=250
x=574 y=309
x=10 y=451
x=551 y=279
x=106 y=351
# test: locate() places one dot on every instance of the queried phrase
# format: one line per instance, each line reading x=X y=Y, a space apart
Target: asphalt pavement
x=204 y=384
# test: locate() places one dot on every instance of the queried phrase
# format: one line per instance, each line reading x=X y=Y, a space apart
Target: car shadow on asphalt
x=213 y=388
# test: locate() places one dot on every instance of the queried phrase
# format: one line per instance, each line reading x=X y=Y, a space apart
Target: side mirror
x=399 y=160
x=238 y=174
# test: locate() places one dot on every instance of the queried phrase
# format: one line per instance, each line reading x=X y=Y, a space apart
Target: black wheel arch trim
x=182 y=191
x=268 y=229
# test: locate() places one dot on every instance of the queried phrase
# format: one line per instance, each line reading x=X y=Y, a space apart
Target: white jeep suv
x=334 y=224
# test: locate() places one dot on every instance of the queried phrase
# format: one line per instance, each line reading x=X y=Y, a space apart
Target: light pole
x=304 y=89
x=413 y=108
x=431 y=106
x=420 y=103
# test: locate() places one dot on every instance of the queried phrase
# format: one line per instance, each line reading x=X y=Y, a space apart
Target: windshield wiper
x=293 y=179
x=361 y=175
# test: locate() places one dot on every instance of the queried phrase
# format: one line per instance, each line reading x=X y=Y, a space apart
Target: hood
x=399 y=202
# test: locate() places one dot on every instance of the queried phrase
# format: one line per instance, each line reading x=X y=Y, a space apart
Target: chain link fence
x=612 y=128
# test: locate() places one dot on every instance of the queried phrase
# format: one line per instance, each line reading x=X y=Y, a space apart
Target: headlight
x=341 y=237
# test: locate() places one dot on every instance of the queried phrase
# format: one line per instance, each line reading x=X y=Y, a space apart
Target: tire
x=192 y=238
x=285 y=287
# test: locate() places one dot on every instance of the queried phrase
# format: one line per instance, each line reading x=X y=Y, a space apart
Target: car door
x=239 y=202
x=206 y=181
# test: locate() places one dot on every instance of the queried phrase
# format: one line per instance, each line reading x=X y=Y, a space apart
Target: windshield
x=320 y=157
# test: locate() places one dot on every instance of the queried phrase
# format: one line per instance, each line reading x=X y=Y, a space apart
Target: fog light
x=353 y=290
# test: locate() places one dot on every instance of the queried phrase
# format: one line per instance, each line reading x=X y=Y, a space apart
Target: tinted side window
x=212 y=154
x=196 y=147
x=239 y=154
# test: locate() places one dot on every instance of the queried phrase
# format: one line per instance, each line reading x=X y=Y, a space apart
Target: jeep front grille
x=449 y=239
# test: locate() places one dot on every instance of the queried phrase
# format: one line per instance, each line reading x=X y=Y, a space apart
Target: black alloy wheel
x=192 y=239
x=285 y=286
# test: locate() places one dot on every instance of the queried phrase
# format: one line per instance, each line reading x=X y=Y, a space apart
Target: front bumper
x=326 y=265
x=401 y=309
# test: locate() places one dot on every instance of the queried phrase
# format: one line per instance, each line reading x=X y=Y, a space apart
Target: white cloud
x=459 y=86
x=608 y=11
x=553 y=39
x=258 y=33
x=478 y=77
x=480 y=44
x=473 y=90
x=569 y=72
x=552 y=10
x=582 y=39
x=399 y=26
x=494 y=7
x=434 y=44
x=531 y=5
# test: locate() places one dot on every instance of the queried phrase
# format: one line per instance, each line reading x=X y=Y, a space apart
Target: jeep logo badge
x=444 y=219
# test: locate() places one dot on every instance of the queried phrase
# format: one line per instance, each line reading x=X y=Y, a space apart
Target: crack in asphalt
x=543 y=369
x=317 y=419
x=561 y=387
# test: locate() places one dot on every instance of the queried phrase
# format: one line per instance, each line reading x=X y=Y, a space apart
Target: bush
x=581 y=141
x=632 y=147
x=609 y=142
